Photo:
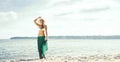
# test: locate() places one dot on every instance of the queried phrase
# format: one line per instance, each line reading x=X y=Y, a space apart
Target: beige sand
x=91 y=58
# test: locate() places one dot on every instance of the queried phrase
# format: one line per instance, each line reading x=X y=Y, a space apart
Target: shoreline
x=72 y=37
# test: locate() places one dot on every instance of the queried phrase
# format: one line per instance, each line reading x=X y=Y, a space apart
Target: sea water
x=27 y=48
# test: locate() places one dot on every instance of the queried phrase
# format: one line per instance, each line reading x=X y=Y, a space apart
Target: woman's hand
x=46 y=39
x=39 y=17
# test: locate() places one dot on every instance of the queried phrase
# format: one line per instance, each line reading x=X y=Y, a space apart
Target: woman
x=42 y=37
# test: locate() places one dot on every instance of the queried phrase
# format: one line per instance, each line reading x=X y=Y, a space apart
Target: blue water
x=27 y=48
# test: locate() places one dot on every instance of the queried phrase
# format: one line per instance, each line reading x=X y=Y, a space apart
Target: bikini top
x=42 y=29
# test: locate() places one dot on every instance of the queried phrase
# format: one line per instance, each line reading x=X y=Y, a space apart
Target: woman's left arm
x=46 y=32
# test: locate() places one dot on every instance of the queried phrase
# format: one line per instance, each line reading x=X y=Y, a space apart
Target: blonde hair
x=42 y=26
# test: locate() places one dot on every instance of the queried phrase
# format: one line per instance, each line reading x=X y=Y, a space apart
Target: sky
x=63 y=17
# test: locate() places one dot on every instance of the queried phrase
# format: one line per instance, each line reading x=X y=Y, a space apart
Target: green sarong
x=42 y=46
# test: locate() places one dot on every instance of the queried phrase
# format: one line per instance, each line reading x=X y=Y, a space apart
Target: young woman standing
x=42 y=37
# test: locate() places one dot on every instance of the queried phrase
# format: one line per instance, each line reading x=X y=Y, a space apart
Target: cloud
x=86 y=9
x=8 y=16
x=83 y=6
x=91 y=16
x=15 y=5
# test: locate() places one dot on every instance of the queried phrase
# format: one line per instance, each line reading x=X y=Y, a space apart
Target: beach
x=92 y=58
x=61 y=50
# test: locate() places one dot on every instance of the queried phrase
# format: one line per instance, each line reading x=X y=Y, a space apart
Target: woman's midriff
x=41 y=33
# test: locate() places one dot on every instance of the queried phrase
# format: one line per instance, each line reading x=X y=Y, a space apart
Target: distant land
x=73 y=37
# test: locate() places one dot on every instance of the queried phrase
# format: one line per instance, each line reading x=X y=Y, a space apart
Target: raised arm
x=35 y=21
x=46 y=32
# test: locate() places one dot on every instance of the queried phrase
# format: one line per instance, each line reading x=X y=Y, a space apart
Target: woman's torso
x=41 y=31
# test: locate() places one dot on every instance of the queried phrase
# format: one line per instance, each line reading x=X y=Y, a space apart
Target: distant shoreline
x=72 y=37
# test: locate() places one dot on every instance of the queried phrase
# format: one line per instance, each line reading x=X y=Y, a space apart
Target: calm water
x=27 y=48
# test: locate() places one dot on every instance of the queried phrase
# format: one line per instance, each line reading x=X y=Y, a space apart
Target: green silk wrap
x=42 y=45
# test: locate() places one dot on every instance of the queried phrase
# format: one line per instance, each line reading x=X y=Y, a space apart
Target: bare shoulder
x=45 y=26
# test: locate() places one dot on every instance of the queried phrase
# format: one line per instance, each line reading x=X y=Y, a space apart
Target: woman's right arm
x=35 y=21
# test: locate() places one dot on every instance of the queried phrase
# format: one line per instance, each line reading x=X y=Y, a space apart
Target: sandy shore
x=91 y=58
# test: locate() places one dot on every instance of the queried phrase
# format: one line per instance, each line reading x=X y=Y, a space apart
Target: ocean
x=27 y=48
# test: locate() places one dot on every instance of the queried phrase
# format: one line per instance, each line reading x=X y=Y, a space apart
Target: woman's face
x=41 y=21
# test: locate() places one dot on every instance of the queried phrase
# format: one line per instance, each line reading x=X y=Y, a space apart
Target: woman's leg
x=40 y=47
x=40 y=53
x=43 y=55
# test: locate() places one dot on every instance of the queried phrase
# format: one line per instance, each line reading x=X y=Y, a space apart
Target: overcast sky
x=63 y=17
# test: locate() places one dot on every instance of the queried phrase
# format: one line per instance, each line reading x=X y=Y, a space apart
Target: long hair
x=42 y=25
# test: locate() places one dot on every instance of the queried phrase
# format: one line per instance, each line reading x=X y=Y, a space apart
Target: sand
x=89 y=58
